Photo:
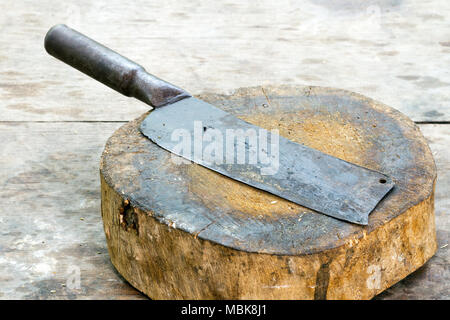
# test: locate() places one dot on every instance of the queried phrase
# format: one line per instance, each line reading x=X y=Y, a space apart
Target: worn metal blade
x=304 y=175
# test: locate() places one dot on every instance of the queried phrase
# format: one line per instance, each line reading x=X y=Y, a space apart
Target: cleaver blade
x=290 y=170
x=301 y=174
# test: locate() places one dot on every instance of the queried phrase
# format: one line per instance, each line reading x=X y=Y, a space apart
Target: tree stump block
x=185 y=232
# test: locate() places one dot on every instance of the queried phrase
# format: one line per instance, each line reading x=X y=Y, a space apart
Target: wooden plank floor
x=54 y=121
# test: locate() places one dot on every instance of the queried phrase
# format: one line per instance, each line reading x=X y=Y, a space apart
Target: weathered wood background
x=54 y=121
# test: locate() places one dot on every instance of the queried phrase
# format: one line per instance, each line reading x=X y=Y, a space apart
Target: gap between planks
x=124 y=121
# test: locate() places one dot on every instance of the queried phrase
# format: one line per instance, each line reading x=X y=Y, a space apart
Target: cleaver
x=197 y=131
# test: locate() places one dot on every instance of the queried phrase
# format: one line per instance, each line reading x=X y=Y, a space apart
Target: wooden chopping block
x=185 y=232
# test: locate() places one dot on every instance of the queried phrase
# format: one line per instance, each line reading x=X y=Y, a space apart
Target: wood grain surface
x=54 y=121
x=392 y=51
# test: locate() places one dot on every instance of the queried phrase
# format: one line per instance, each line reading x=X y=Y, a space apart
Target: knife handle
x=109 y=67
